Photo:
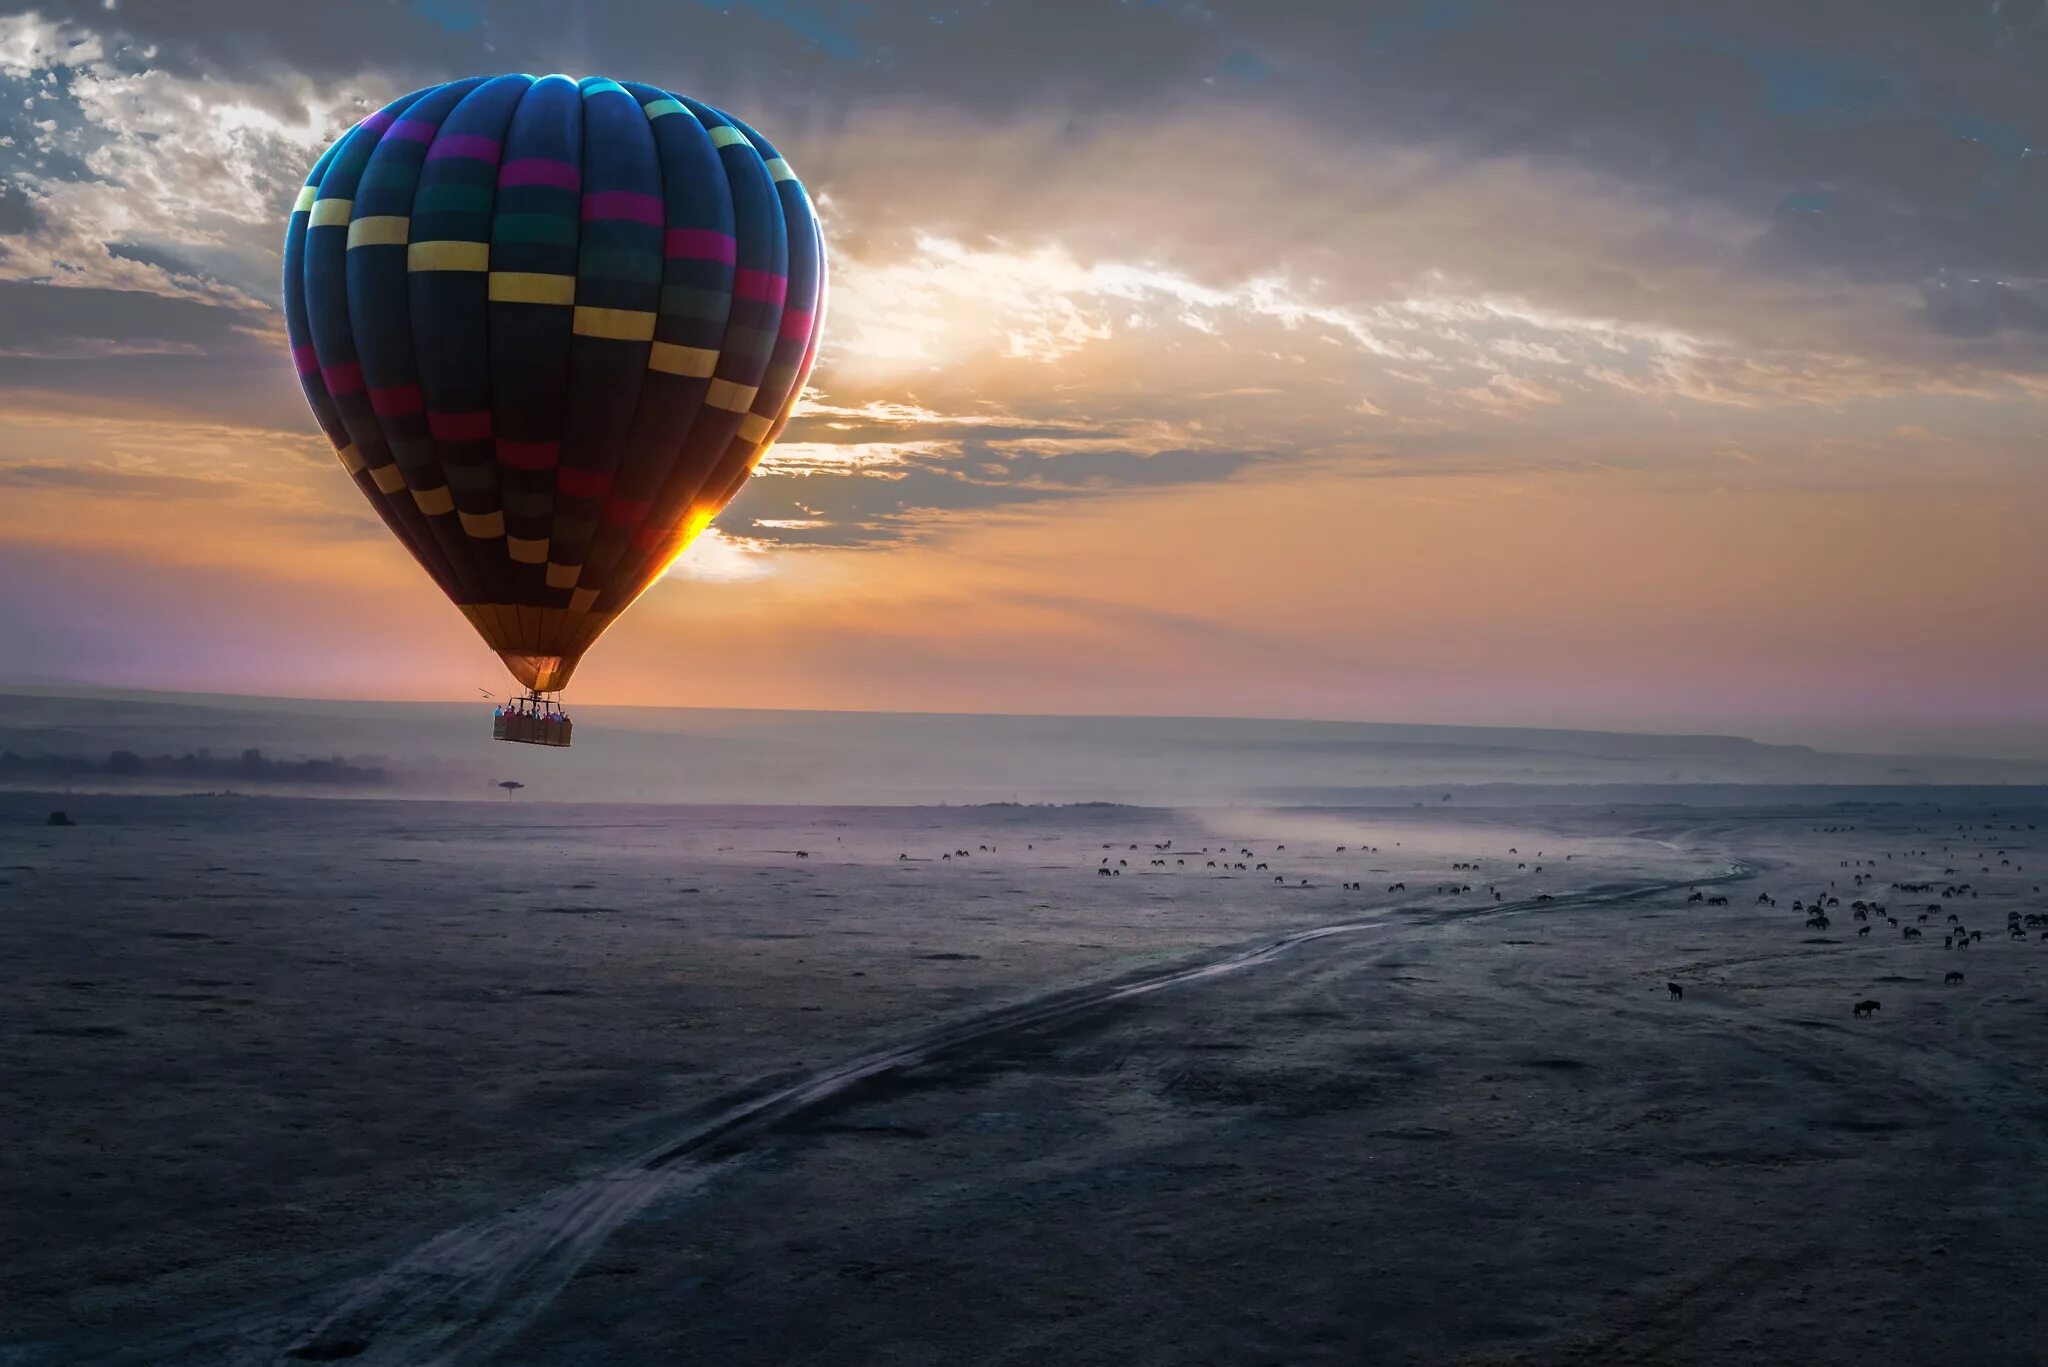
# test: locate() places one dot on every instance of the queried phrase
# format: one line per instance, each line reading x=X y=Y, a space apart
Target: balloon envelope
x=550 y=327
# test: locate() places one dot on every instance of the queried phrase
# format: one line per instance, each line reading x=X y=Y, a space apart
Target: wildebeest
x=1677 y=992
x=1952 y=978
x=1863 y=930
x=1865 y=1008
x=1911 y=933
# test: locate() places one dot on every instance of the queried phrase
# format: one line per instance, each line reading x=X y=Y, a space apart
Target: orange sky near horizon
x=1210 y=403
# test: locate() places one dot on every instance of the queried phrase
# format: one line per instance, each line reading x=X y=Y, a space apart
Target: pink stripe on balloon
x=529 y=455
x=460 y=426
x=625 y=512
x=472 y=145
x=342 y=379
x=627 y=204
x=397 y=401
x=700 y=244
x=306 y=359
x=561 y=175
x=760 y=285
x=412 y=130
x=377 y=122
x=796 y=325
x=583 y=483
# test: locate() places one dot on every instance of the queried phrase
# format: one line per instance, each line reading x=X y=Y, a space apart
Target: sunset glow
x=1191 y=369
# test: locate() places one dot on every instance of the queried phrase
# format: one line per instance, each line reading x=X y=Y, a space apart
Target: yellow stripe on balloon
x=563 y=576
x=754 y=427
x=434 y=502
x=384 y=230
x=581 y=600
x=725 y=135
x=694 y=361
x=656 y=108
x=523 y=287
x=619 y=325
x=388 y=477
x=734 y=398
x=484 y=526
x=778 y=169
x=330 y=213
x=307 y=194
x=527 y=552
x=448 y=255
x=351 y=459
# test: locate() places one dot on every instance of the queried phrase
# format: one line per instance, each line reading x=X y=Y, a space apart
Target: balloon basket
x=532 y=719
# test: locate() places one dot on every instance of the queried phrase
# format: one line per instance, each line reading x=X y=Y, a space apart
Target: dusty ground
x=257 y=1052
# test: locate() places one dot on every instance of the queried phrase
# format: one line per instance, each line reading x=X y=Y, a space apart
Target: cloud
x=111 y=479
x=139 y=164
x=1066 y=266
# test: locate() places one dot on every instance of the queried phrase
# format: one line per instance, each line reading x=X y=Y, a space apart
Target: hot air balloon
x=550 y=326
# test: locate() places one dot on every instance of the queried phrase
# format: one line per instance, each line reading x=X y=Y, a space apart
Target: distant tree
x=124 y=763
x=511 y=786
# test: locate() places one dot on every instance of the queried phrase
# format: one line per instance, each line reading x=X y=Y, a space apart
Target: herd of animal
x=1815 y=910
x=1956 y=934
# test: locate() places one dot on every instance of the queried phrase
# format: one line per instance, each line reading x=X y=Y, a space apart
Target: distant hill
x=68 y=737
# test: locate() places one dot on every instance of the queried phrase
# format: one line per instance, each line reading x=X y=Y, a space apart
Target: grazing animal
x=1865 y=1008
x=1696 y=897
x=1912 y=933
x=1677 y=992
x=1952 y=978
x=1717 y=901
x=1863 y=930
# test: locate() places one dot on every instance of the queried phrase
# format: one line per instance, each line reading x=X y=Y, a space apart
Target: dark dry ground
x=1446 y=1138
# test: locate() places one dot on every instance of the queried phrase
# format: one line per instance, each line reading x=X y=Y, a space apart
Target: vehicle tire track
x=465 y=1293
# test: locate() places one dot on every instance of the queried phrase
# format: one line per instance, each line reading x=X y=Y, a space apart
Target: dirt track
x=1307 y=1161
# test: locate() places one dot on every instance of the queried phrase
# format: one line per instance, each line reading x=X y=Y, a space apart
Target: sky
x=1592 y=362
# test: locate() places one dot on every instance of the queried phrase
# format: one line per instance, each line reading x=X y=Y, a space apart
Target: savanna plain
x=523 y=1083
